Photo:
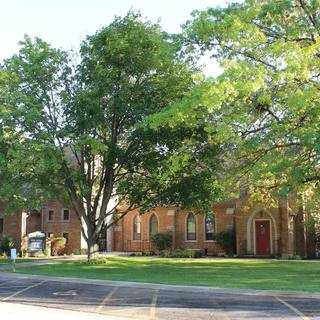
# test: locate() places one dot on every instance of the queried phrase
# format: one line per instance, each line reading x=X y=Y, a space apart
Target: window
x=137 y=227
x=191 y=227
x=66 y=215
x=66 y=236
x=209 y=226
x=1 y=225
x=153 y=225
x=50 y=215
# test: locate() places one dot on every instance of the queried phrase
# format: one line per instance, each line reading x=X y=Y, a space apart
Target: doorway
x=262 y=237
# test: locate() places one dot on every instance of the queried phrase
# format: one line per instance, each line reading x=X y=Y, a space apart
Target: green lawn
x=224 y=273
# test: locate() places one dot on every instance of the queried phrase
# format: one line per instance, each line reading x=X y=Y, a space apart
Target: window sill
x=190 y=240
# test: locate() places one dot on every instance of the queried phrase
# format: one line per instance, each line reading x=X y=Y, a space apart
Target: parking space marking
x=292 y=308
x=153 y=306
x=106 y=299
x=23 y=290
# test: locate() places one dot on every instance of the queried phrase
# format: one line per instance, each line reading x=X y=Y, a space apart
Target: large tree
x=266 y=102
x=14 y=190
x=81 y=124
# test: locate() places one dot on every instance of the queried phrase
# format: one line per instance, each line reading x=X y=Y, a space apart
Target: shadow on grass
x=226 y=273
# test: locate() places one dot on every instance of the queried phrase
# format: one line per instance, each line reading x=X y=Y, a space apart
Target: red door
x=263 y=237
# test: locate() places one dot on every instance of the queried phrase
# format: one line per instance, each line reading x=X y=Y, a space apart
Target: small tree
x=58 y=246
x=6 y=244
x=227 y=240
x=162 y=241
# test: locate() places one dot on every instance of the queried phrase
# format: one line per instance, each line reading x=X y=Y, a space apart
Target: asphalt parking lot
x=152 y=303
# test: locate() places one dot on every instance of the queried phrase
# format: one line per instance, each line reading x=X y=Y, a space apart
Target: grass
x=224 y=273
x=6 y=260
x=18 y=260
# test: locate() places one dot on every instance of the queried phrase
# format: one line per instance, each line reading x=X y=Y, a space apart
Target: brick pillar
x=300 y=239
x=286 y=230
x=239 y=231
x=171 y=224
x=240 y=225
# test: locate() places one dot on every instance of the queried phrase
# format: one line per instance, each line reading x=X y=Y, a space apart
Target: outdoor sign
x=13 y=257
x=13 y=254
x=35 y=244
x=36 y=241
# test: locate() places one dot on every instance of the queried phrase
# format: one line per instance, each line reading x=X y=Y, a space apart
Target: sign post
x=13 y=257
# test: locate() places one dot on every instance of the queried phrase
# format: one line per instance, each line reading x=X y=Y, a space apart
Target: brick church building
x=259 y=231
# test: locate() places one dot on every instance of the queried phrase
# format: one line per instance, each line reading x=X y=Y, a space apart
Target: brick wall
x=33 y=222
x=172 y=220
x=12 y=227
x=58 y=226
x=247 y=213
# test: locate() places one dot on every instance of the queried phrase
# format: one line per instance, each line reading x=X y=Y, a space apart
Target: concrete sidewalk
x=21 y=311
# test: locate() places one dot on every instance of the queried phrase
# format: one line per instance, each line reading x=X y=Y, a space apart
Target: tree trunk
x=90 y=243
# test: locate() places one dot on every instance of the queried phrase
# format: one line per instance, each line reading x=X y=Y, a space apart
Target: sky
x=65 y=23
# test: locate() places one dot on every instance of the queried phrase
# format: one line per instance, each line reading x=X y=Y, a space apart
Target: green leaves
x=268 y=95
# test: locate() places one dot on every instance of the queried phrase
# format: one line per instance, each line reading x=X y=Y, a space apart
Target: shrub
x=147 y=253
x=162 y=241
x=6 y=244
x=198 y=254
x=182 y=253
x=77 y=252
x=96 y=261
x=58 y=246
x=23 y=253
x=226 y=239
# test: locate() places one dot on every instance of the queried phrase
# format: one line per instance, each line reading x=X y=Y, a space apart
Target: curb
x=167 y=287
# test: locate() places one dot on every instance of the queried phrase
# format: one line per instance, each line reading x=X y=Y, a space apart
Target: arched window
x=209 y=226
x=191 y=227
x=153 y=225
x=137 y=227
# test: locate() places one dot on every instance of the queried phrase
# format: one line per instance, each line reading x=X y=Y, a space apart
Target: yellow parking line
x=153 y=306
x=106 y=299
x=292 y=308
x=23 y=290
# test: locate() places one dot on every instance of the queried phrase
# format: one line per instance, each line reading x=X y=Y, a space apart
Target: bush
x=96 y=261
x=58 y=246
x=227 y=240
x=77 y=252
x=147 y=253
x=23 y=253
x=162 y=241
x=182 y=253
x=6 y=244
